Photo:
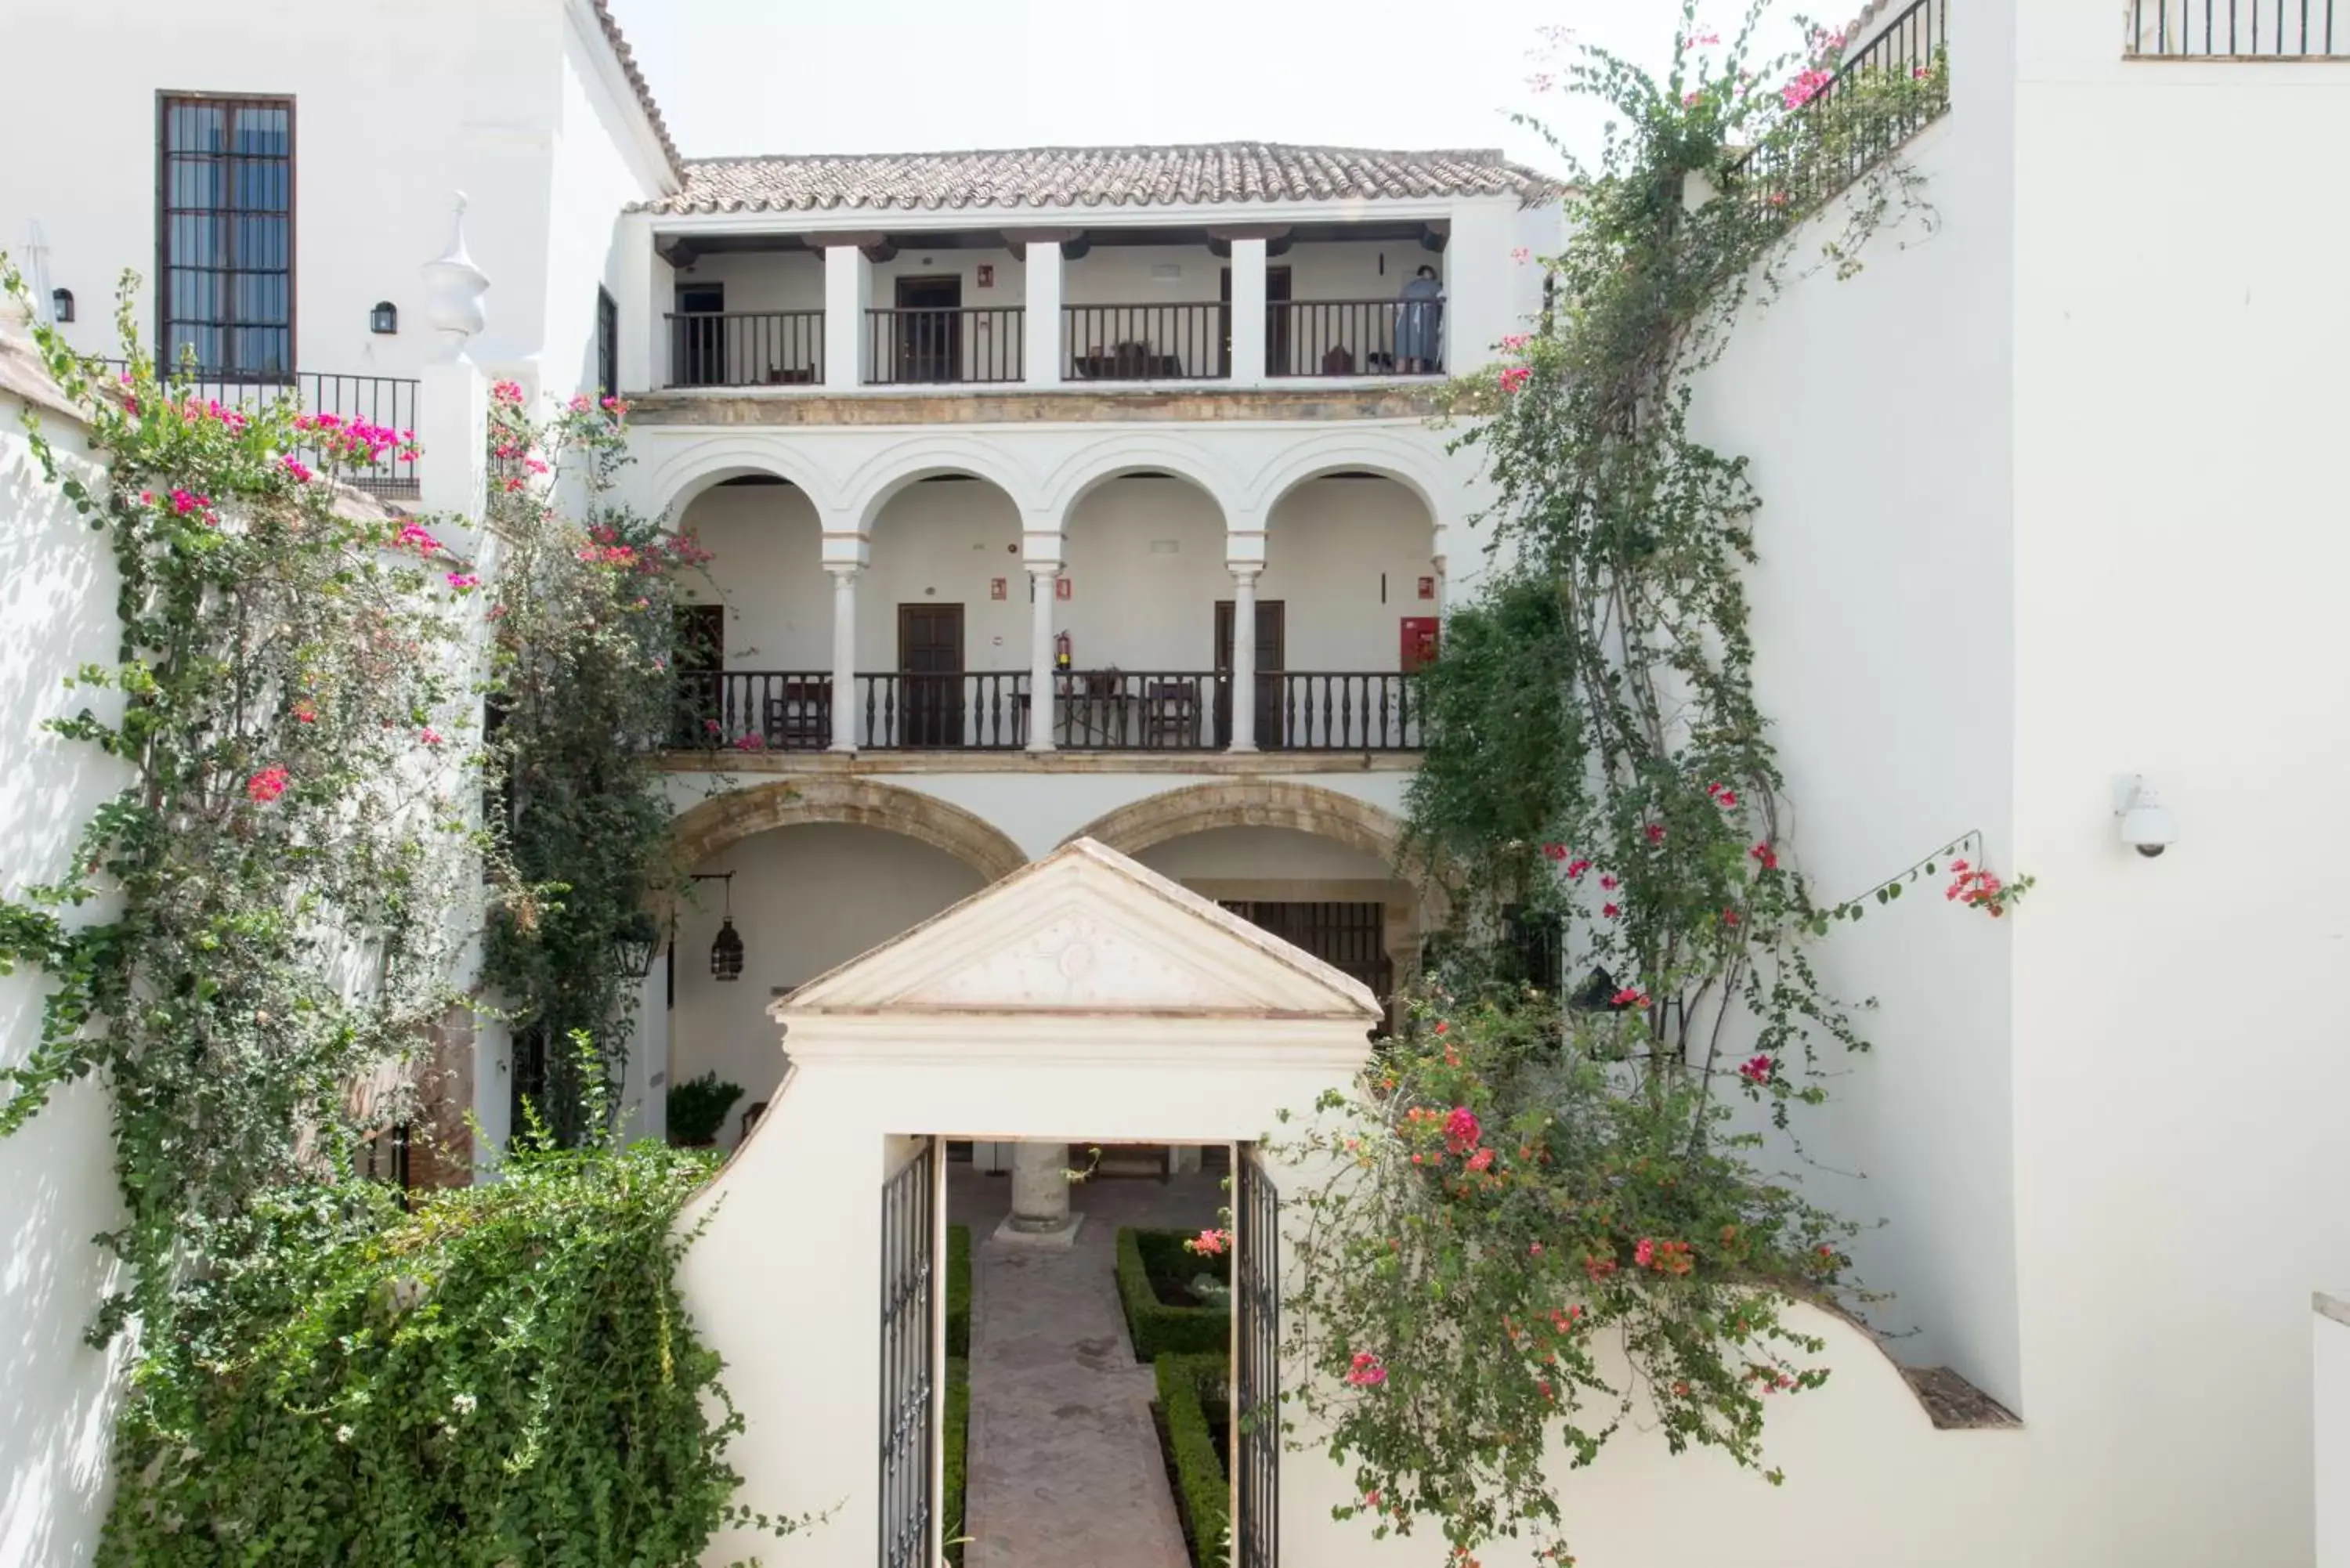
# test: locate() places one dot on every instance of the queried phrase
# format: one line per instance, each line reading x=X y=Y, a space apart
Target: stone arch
x=873 y=485
x=1404 y=462
x=728 y=820
x=1248 y=803
x=1096 y=465
x=668 y=489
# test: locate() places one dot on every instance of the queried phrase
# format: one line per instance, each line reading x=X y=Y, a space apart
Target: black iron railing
x=746 y=348
x=909 y=1409
x=2237 y=30
x=1127 y=710
x=1145 y=342
x=1835 y=142
x=917 y=711
x=1338 y=711
x=1255 y=1440
x=754 y=709
x=1354 y=337
x=919 y=344
x=386 y=401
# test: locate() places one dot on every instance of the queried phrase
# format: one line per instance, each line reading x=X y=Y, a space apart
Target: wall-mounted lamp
x=384 y=319
x=61 y=306
x=726 y=948
x=2146 y=824
x=635 y=945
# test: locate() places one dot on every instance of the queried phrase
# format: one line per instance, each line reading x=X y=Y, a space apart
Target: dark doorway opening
x=698 y=344
x=929 y=661
x=929 y=330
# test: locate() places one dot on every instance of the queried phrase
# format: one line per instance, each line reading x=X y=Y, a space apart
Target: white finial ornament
x=453 y=287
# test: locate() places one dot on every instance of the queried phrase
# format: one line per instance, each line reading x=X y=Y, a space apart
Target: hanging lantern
x=726 y=951
x=635 y=945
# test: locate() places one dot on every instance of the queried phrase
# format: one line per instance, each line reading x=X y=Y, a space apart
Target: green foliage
x=1186 y=1383
x=1159 y=1329
x=502 y=1374
x=958 y=1290
x=697 y=1107
x=958 y=1444
x=581 y=686
x=1519 y=1174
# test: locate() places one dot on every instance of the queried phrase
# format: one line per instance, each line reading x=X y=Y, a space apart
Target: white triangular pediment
x=1086 y=929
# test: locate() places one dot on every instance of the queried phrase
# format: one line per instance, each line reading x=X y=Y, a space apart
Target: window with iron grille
x=608 y=345
x=224 y=235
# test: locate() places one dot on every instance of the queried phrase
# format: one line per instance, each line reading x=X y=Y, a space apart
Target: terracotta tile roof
x=635 y=73
x=1205 y=173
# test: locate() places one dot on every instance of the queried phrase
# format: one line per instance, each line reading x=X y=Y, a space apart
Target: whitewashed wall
x=2182 y=547
x=1884 y=661
x=508 y=103
x=2330 y=1398
x=57 y=585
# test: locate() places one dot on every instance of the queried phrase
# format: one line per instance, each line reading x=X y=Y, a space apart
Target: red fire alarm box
x=1428 y=588
x=1061 y=589
x=1419 y=637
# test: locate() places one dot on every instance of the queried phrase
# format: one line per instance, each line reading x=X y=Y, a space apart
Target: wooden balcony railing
x=1145 y=342
x=1318 y=712
x=1354 y=337
x=1094 y=710
x=919 y=343
x=746 y=348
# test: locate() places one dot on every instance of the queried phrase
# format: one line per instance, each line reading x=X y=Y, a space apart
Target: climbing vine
x=1551 y=1215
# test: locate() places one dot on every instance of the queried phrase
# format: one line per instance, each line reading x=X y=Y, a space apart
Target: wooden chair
x=800 y=719
x=1169 y=713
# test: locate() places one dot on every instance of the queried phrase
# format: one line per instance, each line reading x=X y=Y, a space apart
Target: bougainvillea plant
x=1557 y=1211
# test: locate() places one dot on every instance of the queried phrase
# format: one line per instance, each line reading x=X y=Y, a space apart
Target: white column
x=848 y=290
x=844 y=654
x=452 y=419
x=1044 y=344
x=1248 y=313
x=1040 y=1188
x=1244 y=656
x=1043 y=681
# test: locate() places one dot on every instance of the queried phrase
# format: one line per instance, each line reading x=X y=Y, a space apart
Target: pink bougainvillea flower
x=1644 y=1254
x=1706 y=40
x=305 y=714
x=1805 y=87
x=1367 y=1371
x=1766 y=855
x=1555 y=851
x=1656 y=832
x=1521 y=255
x=1514 y=379
x=429 y=735
x=580 y=405
x=506 y=391
x=1462 y=1130
x=294 y=466
x=751 y=743
x=1610 y=882
x=1209 y=1243
x=1758 y=1071
x=1631 y=996
x=1692 y=99
x=1481 y=1160
x=1515 y=342
x=1610 y=911
x=267 y=784
x=1730 y=917
x=463 y=580
x=421 y=538
x=1534 y=1249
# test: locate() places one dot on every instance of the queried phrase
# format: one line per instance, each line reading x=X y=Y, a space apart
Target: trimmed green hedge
x=1185 y=1382
x=1157 y=1328
x=958 y=1438
x=958 y=1290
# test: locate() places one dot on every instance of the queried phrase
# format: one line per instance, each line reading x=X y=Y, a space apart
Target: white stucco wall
x=58 y=585
x=508 y=103
x=2182 y=543
x=805 y=900
x=1882 y=634
x=2330 y=1401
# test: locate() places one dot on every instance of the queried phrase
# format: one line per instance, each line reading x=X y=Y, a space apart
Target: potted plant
x=697 y=1109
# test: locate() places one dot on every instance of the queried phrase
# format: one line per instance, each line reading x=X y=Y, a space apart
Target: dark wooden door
x=1276 y=322
x=698 y=347
x=929 y=655
x=929 y=330
x=1271 y=660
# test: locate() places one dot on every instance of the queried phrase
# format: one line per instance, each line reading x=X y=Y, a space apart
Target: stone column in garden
x=1040 y=1189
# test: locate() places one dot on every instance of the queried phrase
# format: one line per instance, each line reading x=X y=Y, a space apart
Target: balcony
x=1094 y=710
x=1098 y=307
x=386 y=401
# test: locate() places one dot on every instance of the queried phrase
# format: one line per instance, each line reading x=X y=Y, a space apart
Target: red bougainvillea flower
x=1631 y=996
x=1656 y=832
x=305 y=714
x=1610 y=883
x=1367 y=1371
x=1758 y=1071
x=1516 y=377
x=430 y=736
x=1575 y=868
x=1441 y=1026
x=1462 y=1130
x=293 y=465
x=1730 y=918
x=1766 y=855
x=1609 y=911
x=266 y=786
x=1644 y=1254
x=1555 y=851
x=1481 y=1160
x=1209 y=1243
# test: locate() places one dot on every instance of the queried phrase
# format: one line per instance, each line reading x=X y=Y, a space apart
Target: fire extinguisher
x=1061 y=650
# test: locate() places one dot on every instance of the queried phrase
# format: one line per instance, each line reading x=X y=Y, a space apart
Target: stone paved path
x=1064 y=1465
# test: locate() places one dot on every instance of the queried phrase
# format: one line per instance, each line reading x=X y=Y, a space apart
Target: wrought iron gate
x=1256 y=1381
x=908 y=1369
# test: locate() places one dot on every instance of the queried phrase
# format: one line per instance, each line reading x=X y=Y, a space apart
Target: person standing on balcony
x=1417 y=324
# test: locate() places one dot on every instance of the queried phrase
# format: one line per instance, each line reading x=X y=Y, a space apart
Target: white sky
x=892 y=76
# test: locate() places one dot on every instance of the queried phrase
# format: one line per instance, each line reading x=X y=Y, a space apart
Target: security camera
x=2147 y=825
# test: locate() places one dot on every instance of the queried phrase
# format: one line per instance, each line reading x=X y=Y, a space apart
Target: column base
x=1239 y=746
x=840 y=751
x=1059 y=1237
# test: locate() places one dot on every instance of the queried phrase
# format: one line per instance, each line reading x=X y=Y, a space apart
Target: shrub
x=1186 y=1383
x=958 y=1439
x=1157 y=1328
x=697 y=1107
x=958 y=1290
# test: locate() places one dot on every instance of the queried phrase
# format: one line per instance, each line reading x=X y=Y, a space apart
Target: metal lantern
x=384 y=319
x=726 y=951
x=636 y=945
x=61 y=306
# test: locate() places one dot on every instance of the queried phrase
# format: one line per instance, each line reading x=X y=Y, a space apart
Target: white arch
x=699 y=465
x=1404 y=461
x=871 y=487
x=1107 y=459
